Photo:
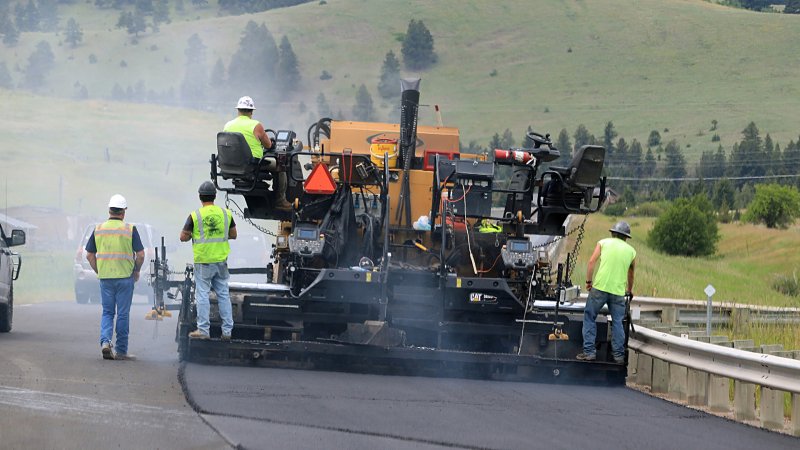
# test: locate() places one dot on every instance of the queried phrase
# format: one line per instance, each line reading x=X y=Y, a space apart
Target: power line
x=761 y=177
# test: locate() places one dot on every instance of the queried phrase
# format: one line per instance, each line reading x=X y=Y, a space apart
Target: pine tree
x=193 y=87
x=581 y=136
x=649 y=163
x=363 y=110
x=252 y=67
x=323 y=109
x=40 y=63
x=73 y=33
x=417 y=48
x=507 y=141
x=288 y=74
x=389 y=85
x=564 y=147
x=609 y=134
x=161 y=13
x=6 y=82
x=792 y=7
x=48 y=15
x=11 y=35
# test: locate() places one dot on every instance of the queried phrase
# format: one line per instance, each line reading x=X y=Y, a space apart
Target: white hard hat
x=245 y=103
x=117 y=201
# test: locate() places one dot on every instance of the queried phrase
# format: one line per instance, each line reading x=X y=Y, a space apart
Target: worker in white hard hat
x=115 y=252
x=258 y=140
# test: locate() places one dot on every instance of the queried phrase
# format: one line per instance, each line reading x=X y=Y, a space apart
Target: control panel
x=306 y=240
x=518 y=254
x=284 y=140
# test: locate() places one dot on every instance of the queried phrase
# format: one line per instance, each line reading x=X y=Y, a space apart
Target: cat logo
x=481 y=298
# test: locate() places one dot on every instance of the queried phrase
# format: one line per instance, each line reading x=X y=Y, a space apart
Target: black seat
x=585 y=168
x=234 y=156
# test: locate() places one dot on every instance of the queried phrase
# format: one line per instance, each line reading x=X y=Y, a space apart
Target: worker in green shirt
x=609 y=285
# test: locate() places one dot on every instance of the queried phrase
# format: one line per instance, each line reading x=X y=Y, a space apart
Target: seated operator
x=256 y=136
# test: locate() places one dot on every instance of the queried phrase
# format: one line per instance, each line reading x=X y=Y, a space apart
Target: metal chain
x=578 y=229
x=572 y=258
x=240 y=214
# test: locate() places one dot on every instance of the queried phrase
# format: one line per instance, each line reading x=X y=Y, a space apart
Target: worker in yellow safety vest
x=615 y=261
x=116 y=254
x=209 y=229
x=257 y=138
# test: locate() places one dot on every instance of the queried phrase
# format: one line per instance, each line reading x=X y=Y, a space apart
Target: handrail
x=765 y=370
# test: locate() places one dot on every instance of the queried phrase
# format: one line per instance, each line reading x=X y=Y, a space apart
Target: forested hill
x=697 y=73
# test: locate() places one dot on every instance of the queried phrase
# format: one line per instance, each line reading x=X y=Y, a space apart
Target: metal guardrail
x=771 y=371
x=700 y=373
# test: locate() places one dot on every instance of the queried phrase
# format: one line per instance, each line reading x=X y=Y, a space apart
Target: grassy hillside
x=653 y=64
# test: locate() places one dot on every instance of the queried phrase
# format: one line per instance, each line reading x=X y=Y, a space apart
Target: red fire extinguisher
x=517 y=156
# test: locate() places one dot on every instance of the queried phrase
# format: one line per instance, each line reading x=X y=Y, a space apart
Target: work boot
x=225 y=337
x=197 y=334
x=283 y=205
x=619 y=359
x=107 y=350
x=280 y=192
x=585 y=357
x=125 y=357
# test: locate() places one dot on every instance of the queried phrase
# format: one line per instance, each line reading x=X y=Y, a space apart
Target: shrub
x=615 y=209
x=649 y=209
x=686 y=228
x=774 y=205
x=786 y=284
x=325 y=75
x=715 y=138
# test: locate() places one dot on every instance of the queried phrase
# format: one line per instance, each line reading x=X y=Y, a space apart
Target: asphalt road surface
x=56 y=392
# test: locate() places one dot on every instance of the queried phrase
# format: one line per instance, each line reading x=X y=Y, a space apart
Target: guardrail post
x=644 y=370
x=741 y=319
x=698 y=387
x=669 y=315
x=744 y=394
x=796 y=406
x=660 y=376
x=771 y=410
x=718 y=393
x=678 y=381
x=633 y=358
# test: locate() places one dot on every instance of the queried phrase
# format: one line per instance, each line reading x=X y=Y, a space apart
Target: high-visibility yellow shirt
x=616 y=257
x=245 y=125
x=115 y=257
x=210 y=234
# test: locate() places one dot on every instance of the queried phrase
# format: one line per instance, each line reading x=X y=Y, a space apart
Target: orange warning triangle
x=320 y=181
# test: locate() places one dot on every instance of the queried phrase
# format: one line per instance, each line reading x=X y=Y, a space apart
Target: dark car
x=87 y=287
x=10 y=264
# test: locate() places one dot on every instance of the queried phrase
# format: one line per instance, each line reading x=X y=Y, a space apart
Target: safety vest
x=114 y=241
x=616 y=257
x=486 y=226
x=246 y=125
x=210 y=234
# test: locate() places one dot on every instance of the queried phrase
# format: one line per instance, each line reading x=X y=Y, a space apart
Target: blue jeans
x=213 y=276
x=616 y=306
x=117 y=295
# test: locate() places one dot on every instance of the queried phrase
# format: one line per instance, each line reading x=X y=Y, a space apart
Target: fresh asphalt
x=57 y=392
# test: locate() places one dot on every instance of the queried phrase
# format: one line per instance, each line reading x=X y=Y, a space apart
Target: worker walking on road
x=209 y=228
x=116 y=254
x=612 y=282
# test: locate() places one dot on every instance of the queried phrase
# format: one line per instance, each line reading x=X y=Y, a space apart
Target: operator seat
x=570 y=189
x=234 y=156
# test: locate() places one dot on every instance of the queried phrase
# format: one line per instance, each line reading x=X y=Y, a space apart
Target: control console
x=518 y=254
x=306 y=240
